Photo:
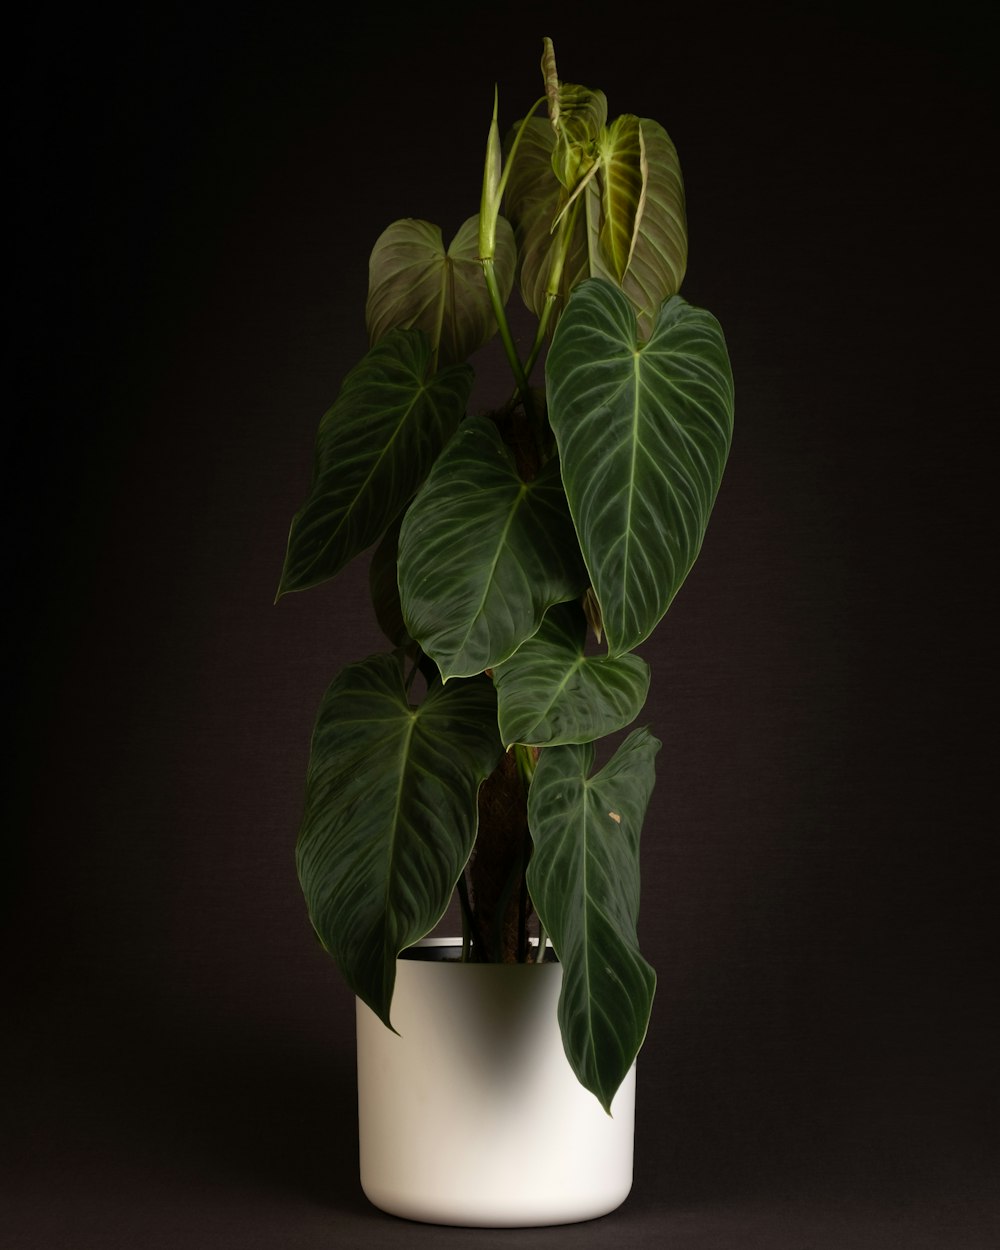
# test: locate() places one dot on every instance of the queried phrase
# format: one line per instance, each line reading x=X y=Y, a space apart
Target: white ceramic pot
x=470 y=1113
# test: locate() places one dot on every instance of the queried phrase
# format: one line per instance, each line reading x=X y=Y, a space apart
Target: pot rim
x=455 y=943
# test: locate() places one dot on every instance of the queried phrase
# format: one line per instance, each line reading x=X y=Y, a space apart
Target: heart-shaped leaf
x=373 y=449
x=413 y=281
x=391 y=814
x=643 y=431
x=584 y=882
x=483 y=554
x=550 y=692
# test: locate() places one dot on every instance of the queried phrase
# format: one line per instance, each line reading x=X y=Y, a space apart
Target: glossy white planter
x=471 y=1114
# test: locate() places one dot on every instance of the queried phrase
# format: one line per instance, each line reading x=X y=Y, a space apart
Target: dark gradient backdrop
x=195 y=192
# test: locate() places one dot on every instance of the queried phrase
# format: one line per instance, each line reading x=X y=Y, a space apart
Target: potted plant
x=522 y=555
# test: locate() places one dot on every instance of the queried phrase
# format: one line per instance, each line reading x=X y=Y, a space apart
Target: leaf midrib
x=355 y=501
x=522 y=493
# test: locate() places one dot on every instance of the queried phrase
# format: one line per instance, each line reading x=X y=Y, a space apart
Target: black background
x=193 y=195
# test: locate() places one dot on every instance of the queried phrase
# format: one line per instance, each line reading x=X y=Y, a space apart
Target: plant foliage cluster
x=573 y=511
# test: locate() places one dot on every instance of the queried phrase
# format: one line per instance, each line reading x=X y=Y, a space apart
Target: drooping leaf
x=413 y=281
x=483 y=554
x=659 y=249
x=391 y=814
x=584 y=882
x=643 y=431
x=550 y=692
x=373 y=449
x=534 y=199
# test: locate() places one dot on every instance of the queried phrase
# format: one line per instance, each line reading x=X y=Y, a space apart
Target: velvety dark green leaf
x=643 y=431
x=584 y=883
x=413 y=281
x=550 y=692
x=373 y=449
x=391 y=814
x=483 y=554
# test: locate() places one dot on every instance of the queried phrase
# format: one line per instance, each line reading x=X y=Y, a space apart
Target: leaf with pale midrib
x=550 y=692
x=373 y=449
x=584 y=883
x=483 y=554
x=414 y=282
x=391 y=814
x=643 y=431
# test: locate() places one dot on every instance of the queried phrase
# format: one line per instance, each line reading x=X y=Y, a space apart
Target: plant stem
x=413 y=672
x=540 y=957
x=471 y=942
x=496 y=299
x=567 y=224
x=526 y=759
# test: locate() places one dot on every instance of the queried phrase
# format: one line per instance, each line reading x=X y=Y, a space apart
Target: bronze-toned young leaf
x=413 y=281
x=391 y=814
x=659 y=251
x=373 y=449
x=550 y=692
x=550 y=76
x=576 y=116
x=621 y=181
x=534 y=198
x=643 y=431
x=584 y=882
x=582 y=114
x=483 y=554
x=599 y=266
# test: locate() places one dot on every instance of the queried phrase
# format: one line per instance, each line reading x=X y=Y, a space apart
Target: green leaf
x=549 y=692
x=413 y=281
x=483 y=554
x=584 y=882
x=391 y=814
x=373 y=449
x=643 y=431
x=533 y=200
